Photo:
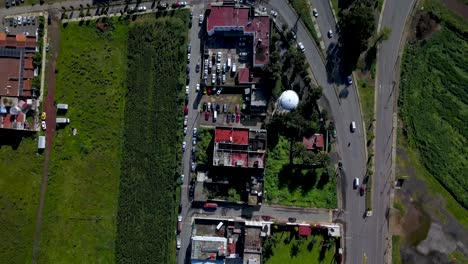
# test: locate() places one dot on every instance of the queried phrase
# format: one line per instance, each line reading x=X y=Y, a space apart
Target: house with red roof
x=313 y=143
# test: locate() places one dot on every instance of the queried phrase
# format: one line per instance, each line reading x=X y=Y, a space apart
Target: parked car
x=243 y=54
x=228 y=117
x=200 y=19
x=207 y=116
x=314 y=12
x=194 y=133
x=185 y=120
x=204 y=106
x=349 y=80
x=185 y=131
x=330 y=33
x=273 y=13
x=197 y=88
x=356 y=183
x=291 y=219
x=233 y=117
x=43 y=115
x=184 y=145
x=301 y=46
x=186 y=110
x=178 y=242
x=209 y=107
x=217 y=107
x=182 y=180
x=224 y=108
x=237 y=117
x=362 y=190
x=193 y=167
x=219 y=90
x=197 y=67
x=43 y=125
x=189 y=48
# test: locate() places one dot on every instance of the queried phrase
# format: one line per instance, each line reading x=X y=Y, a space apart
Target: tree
x=298 y=150
x=384 y=34
x=233 y=195
x=357 y=25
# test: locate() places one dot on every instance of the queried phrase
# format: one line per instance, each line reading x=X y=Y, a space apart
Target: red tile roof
x=238 y=136
x=304 y=230
x=313 y=142
x=244 y=75
x=230 y=18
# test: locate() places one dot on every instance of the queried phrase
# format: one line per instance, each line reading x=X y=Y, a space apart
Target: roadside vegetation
x=304 y=11
x=156 y=74
x=20 y=185
x=396 y=257
x=293 y=175
x=433 y=101
x=288 y=247
x=81 y=201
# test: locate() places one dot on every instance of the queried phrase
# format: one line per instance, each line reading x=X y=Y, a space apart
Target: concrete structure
x=241 y=21
x=17 y=95
x=239 y=147
x=288 y=101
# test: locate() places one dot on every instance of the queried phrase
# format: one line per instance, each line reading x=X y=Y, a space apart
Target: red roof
x=313 y=142
x=237 y=135
x=231 y=248
x=228 y=18
x=243 y=75
x=304 y=230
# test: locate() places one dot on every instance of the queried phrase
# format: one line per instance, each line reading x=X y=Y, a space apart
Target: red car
x=186 y=110
x=237 y=117
x=362 y=190
x=207 y=115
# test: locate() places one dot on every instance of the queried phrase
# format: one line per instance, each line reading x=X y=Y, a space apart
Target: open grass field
x=433 y=104
x=288 y=185
x=146 y=219
x=298 y=251
x=81 y=202
x=20 y=179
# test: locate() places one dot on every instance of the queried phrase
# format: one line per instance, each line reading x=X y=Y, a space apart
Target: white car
x=178 y=243
x=179 y=218
x=197 y=88
x=330 y=33
x=19 y=19
x=194 y=141
x=194 y=132
x=43 y=125
x=184 y=145
x=301 y=46
x=185 y=131
x=314 y=12
x=224 y=78
x=142 y=8
x=182 y=180
x=200 y=20
x=185 y=120
x=273 y=13
x=219 y=91
x=187 y=90
x=188 y=57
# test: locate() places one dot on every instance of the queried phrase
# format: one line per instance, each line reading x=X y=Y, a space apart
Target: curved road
x=351 y=146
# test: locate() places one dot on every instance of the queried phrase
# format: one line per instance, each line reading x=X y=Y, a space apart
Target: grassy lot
x=303 y=9
x=81 y=201
x=296 y=186
x=21 y=171
x=146 y=218
x=433 y=104
x=396 y=257
x=281 y=249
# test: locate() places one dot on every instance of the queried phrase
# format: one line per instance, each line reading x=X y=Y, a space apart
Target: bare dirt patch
x=102 y=26
x=424 y=25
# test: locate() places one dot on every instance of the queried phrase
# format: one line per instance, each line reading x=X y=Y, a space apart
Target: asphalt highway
x=394 y=16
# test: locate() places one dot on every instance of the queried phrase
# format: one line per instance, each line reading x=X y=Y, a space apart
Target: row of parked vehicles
x=12 y=3
x=22 y=20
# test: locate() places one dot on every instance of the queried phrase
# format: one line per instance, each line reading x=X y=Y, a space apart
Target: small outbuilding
x=315 y=142
x=304 y=230
x=41 y=143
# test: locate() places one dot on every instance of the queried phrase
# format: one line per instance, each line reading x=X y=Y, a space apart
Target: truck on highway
x=62 y=120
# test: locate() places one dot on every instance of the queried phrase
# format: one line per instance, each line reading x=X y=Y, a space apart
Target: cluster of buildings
x=18 y=97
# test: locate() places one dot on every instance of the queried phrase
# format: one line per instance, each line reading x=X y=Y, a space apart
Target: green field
x=81 y=201
x=287 y=185
x=21 y=172
x=146 y=217
x=281 y=249
x=433 y=104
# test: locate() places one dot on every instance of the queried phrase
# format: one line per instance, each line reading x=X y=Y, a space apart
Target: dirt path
x=49 y=108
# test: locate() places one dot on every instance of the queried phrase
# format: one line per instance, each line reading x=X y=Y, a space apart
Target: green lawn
x=81 y=202
x=21 y=172
x=280 y=249
x=296 y=186
x=396 y=256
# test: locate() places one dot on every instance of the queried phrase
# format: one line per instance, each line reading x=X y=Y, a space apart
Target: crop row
x=145 y=226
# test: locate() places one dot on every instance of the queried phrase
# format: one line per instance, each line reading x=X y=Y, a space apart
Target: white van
x=62 y=107
x=229 y=63
x=215 y=115
x=219 y=225
x=234 y=68
x=353 y=126
x=356 y=183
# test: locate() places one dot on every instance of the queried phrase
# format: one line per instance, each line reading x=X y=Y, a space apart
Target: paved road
x=394 y=16
x=351 y=146
x=193 y=115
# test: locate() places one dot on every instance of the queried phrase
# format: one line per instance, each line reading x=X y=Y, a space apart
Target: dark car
x=7 y=4
x=292 y=219
x=266 y=217
x=217 y=107
x=212 y=108
x=188 y=79
x=362 y=190
x=188 y=69
x=228 y=117
x=204 y=106
x=197 y=68
x=233 y=117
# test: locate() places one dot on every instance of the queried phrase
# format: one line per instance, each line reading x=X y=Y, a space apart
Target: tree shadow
x=11 y=138
x=292 y=177
x=324 y=179
x=371 y=56
x=311 y=243
x=294 y=250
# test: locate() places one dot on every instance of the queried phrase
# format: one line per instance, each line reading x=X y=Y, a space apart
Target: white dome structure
x=289 y=100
